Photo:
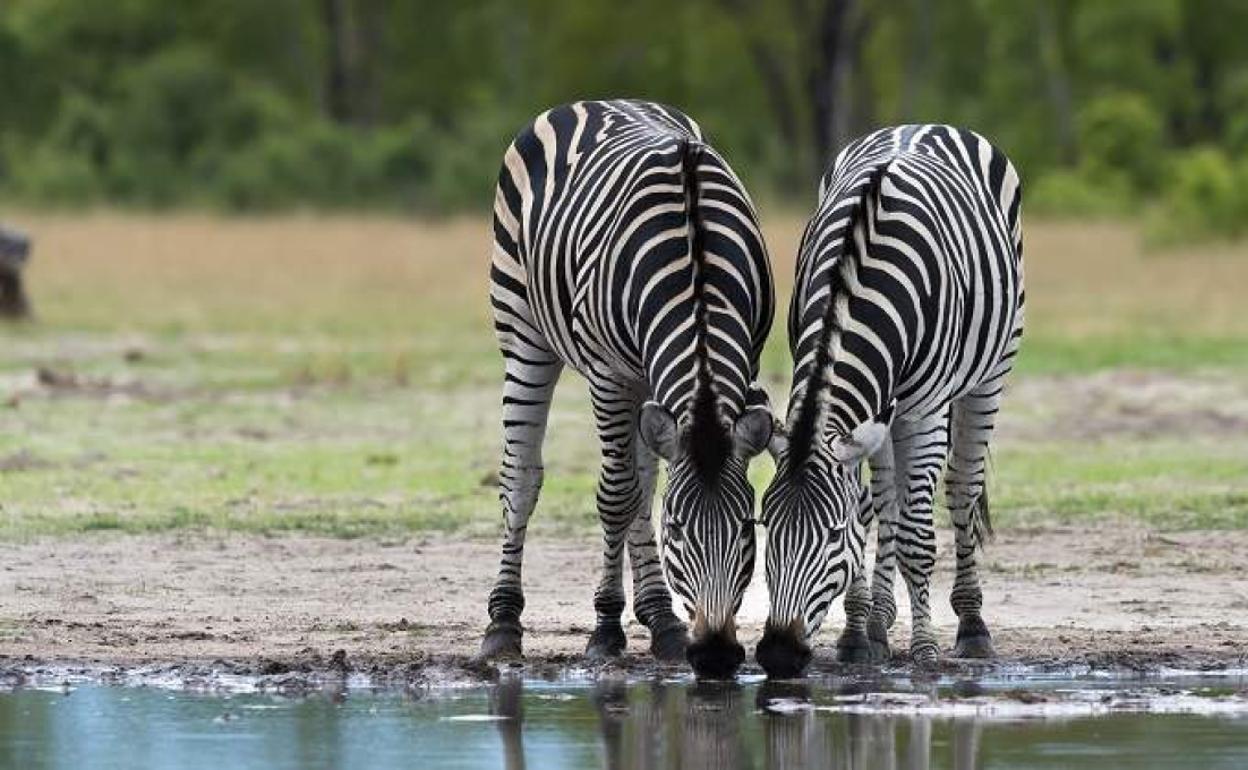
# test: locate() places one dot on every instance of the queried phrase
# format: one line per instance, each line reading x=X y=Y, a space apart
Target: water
x=1007 y=723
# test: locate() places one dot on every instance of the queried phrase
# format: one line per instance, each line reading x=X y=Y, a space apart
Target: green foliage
x=246 y=105
x=1121 y=136
x=1076 y=193
x=1206 y=197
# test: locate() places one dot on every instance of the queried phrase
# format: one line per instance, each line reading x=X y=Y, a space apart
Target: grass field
x=338 y=374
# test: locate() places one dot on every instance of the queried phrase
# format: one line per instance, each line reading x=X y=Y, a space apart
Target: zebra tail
x=709 y=442
x=803 y=434
x=691 y=154
x=981 y=519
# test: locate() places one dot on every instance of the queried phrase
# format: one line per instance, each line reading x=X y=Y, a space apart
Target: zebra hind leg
x=972 y=423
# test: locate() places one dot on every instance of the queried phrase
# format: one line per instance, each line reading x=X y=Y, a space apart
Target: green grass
x=1053 y=354
x=368 y=456
x=1164 y=483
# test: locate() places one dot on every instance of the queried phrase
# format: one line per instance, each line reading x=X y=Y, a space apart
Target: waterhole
x=1025 y=721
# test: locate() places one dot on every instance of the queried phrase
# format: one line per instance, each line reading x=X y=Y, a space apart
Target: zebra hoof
x=974 y=647
x=668 y=644
x=925 y=654
x=974 y=641
x=854 y=647
x=606 y=642
x=502 y=641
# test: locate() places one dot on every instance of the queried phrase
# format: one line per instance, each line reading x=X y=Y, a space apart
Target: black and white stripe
x=906 y=317
x=626 y=248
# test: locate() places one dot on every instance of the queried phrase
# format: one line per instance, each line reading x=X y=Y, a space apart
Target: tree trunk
x=370 y=60
x=826 y=82
x=337 y=69
x=1057 y=80
x=858 y=87
x=778 y=88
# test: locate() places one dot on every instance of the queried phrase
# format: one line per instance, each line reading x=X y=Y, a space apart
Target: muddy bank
x=311 y=609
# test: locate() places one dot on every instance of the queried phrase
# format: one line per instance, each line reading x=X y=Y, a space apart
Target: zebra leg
x=854 y=646
x=884 y=503
x=619 y=499
x=652 y=602
x=920 y=453
x=971 y=424
x=532 y=370
x=527 y=392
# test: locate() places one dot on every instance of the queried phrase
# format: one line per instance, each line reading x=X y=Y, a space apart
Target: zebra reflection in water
x=710 y=726
x=805 y=738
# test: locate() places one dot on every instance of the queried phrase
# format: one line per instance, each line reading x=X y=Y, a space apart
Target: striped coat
x=906 y=317
x=626 y=248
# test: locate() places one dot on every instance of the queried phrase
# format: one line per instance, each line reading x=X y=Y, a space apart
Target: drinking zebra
x=627 y=249
x=905 y=320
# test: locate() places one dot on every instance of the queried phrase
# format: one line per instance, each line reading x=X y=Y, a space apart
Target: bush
x=1072 y=193
x=68 y=165
x=468 y=155
x=1121 y=134
x=1207 y=197
x=328 y=165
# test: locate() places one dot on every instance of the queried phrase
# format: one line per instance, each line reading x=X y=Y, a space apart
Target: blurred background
x=258 y=234
x=1104 y=105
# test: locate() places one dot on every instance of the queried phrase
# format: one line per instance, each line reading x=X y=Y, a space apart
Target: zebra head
x=812 y=513
x=708 y=521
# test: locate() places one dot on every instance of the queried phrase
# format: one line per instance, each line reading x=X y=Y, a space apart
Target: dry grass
x=111 y=271
x=1097 y=279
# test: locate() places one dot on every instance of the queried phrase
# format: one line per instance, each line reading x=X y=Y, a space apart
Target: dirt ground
x=1109 y=597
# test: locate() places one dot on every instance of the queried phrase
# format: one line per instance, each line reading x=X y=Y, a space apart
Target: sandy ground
x=1110 y=597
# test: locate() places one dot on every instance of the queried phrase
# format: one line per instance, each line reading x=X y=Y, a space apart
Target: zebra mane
x=805 y=430
x=709 y=441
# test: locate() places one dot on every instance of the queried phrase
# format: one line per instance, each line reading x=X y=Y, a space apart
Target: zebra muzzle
x=783 y=652
x=714 y=653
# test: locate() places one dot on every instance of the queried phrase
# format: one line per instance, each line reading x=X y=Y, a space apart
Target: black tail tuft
x=981 y=519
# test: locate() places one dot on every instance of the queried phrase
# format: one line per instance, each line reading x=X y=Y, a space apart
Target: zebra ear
x=752 y=432
x=863 y=440
x=658 y=429
x=779 y=443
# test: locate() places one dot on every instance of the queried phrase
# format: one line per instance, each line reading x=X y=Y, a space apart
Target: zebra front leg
x=652 y=602
x=854 y=646
x=527 y=392
x=920 y=454
x=884 y=499
x=971 y=423
x=619 y=499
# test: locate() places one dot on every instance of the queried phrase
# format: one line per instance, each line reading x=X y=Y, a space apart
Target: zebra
x=627 y=248
x=906 y=317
